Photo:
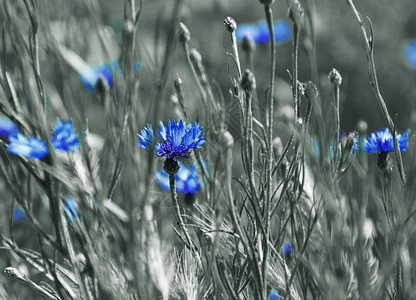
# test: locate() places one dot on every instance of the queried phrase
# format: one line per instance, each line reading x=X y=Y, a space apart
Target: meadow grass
x=129 y=172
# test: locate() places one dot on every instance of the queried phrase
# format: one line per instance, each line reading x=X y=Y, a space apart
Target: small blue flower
x=105 y=71
x=65 y=137
x=287 y=249
x=30 y=148
x=410 y=53
x=71 y=208
x=178 y=139
x=147 y=138
x=382 y=142
x=274 y=295
x=19 y=214
x=187 y=180
x=259 y=32
x=7 y=128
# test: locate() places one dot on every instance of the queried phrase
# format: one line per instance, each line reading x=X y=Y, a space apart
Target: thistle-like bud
x=12 y=273
x=311 y=91
x=227 y=139
x=230 y=24
x=171 y=166
x=277 y=146
x=385 y=164
x=184 y=34
x=296 y=13
x=335 y=77
x=266 y=2
x=248 y=81
x=248 y=44
x=362 y=127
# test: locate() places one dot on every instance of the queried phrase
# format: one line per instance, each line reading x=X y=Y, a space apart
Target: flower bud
x=311 y=91
x=362 y=127
x=184 y=34
x=230 y=24
x=248 y=44
x=12 y=273
x=266 y=2
x=248 y=81
x=296 y=12
x=195 y=56
x=335 y=77
x=171 y=166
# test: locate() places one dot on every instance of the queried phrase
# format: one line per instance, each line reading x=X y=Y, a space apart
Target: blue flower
x=71 y=208
x=64 y=137
x=382 y=142
x=410 y=53
x=147 y=138
x=274 y=295
x=287 y=249
x=8 y=128
x=178 y=139
x=19 y=214
x=259 y=32
x=30 y=148
x=187 y=180
x=105 y=71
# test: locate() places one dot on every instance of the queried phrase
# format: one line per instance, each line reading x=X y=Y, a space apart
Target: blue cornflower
x=105 y=71
x=30 y=148
x=274 y=295
x=287 y=250
x=19 y=214
x=7 y=128
x=187 y=180
x=178 y=139
x=259 y=32
x=64 y=137
x=71 y=208
x=382 y=142
x=410 y=53
x=147 y=138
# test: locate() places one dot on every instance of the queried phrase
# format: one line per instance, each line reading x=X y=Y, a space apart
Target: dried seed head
x=184 y=34
x=350 y=141
x=230 y=24
x=301 y=88
x=335 y=77
x=195 y=56
x=248 y=44
x=248 y=81
x=311 y=91
x=266 y=2
x=296 y=13
x=12 y=273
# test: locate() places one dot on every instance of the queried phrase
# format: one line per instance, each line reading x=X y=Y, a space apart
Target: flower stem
x=189 y=243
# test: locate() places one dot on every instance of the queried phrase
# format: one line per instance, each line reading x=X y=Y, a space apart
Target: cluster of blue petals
x=259 y=32
x=7 y=128
x=31 y=147
x=382 y=142
x=65 y=137
x=178 y=138
x=274 y=295
x=146 y=137
x=187 y=180
x=104 y=71
x=287 y=249
x=19 y=214
x=410 y=53
x=71 y=208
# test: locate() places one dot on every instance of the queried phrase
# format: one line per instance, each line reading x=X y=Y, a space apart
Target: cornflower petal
x=30 y=148
x=65 y=137
x=146 y=137
x=7 y=128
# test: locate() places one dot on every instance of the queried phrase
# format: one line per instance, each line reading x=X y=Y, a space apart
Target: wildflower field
x=215 y=149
